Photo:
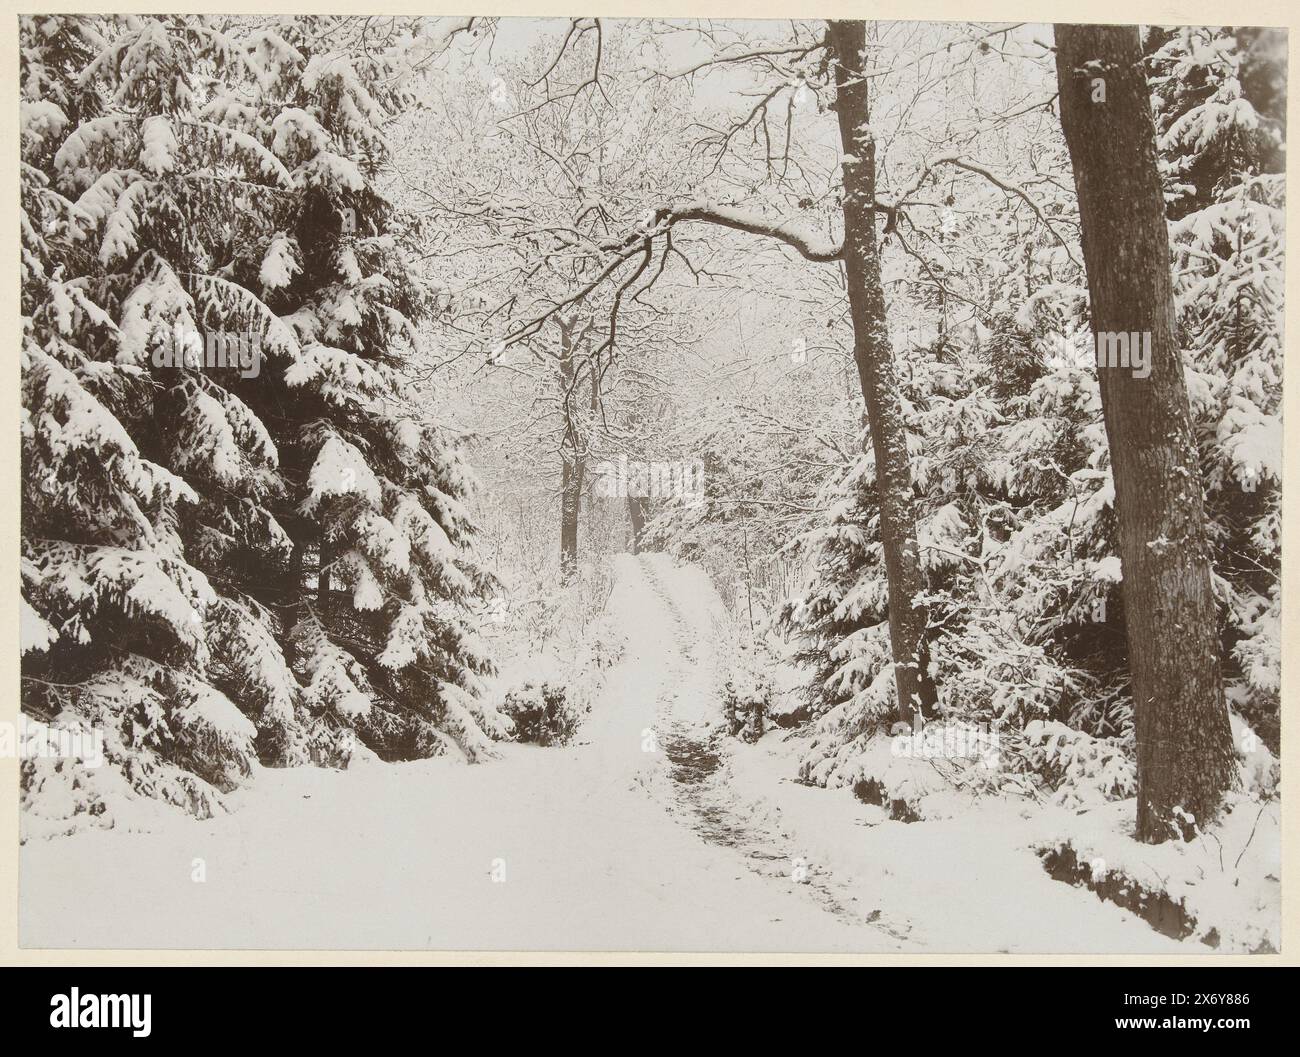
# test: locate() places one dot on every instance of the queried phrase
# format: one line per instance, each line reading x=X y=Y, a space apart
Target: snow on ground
x=967 y=883
x=641 y=836
x=1228 y=878
x=402 y=856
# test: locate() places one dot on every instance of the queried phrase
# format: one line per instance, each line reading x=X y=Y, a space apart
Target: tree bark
x=877 y=376
x=573 y=470
x=325 y=553
x=296 y=557
x=570 y=504
x=1185 y=758
x=636 y=513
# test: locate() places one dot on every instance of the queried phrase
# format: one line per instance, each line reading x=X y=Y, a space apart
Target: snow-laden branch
x=1000 y=182
x=638 y=246
x=810 y=243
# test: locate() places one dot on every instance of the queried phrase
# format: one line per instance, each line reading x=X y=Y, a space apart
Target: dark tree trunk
x=326 y=554
x=636 y=512
x=294 y=593
x=1185 y=759
x=570 y=504
x=574 y=466
x=876 y=374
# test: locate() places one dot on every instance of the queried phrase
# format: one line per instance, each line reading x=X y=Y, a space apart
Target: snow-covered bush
x=553 y=633
x=747 y=691
x=1078 y=769
x=1261 y=771
x=541 y=714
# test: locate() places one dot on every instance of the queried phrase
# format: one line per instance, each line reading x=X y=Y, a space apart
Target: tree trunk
x=876 y=374
x=570 y=503
x=1185 y=758
x=325 y=553
x=293 y=580
x=636 y=512
x=574 y=467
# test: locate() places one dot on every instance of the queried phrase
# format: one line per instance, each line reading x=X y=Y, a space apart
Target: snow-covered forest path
x=686 y=722
x=622 y=841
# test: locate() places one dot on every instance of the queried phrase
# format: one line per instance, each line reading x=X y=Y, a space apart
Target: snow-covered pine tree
x=1222 y=147
x=841 y=621
x=113 y=610
x=1015 y=529
x=375 y=493
x=202 y=191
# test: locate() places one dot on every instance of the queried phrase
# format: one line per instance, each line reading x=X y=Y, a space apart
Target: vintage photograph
x=626 y=484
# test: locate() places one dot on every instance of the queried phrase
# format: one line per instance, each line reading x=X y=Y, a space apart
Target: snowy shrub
x=548 y=611
x=746 y=666
x=869 y=765
x=788 y=707
x=1080 y=770
x=541 y=713
x=747 y=694
x=1260 y=770
x=555 y=644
